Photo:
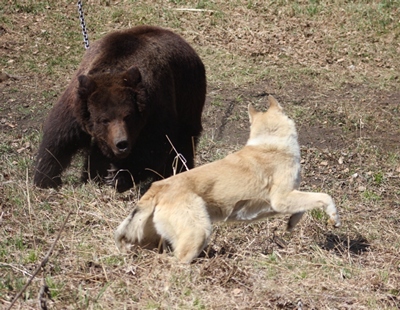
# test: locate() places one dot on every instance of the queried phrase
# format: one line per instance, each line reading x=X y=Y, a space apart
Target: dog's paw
x=119 y=241
x=334 y=221
x=123 y=244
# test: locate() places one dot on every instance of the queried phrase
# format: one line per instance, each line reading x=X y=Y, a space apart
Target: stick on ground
x=42 y=264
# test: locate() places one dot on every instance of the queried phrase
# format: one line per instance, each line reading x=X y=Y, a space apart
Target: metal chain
x=83 y=25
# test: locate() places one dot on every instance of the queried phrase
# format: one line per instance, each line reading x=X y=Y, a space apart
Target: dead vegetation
x=334 y=66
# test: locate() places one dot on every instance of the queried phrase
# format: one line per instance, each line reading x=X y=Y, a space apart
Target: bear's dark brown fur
x=133 y=88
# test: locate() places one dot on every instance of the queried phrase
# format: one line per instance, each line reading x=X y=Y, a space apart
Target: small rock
x=4 y=77
x=236 y=291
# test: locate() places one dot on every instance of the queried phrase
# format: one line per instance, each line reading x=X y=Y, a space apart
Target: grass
x=332 y=64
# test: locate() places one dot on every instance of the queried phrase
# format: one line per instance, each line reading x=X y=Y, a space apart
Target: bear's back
x=148 y=47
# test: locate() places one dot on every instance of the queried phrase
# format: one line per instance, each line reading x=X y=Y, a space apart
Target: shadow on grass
x=343 y=244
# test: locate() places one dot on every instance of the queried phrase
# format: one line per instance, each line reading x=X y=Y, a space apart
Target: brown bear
x=134 y=90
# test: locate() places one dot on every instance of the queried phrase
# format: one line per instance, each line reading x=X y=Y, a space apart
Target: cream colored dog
x=259 y=181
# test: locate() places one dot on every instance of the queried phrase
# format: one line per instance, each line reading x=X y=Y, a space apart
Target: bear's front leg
x=62 y=138
x=101 y=169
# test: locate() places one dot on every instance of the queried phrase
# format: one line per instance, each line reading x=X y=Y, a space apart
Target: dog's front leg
x=296 y=202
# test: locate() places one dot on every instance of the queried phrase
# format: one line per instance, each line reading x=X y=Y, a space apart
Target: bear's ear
x=132 y=77
x=86 y=86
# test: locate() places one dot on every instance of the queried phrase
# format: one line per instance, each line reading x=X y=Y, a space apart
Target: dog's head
x=270 y=125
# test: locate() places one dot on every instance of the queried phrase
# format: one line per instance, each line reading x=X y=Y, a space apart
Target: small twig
x=104 y=271
x=42 y=264
x=155 y=172
x=28 y=198
x=193 y=10
x=161 y=247
x=175 y=163
x=55 y=158
x=178 y=155
x=15 y=268
x=193 y=148
x=5 y=76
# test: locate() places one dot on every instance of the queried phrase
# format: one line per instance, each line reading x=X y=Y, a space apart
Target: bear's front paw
x=120 y=179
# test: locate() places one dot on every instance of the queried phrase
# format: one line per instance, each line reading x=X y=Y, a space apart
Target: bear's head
x=111 y=107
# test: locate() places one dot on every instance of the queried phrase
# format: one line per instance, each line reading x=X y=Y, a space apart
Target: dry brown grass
x=334 y=65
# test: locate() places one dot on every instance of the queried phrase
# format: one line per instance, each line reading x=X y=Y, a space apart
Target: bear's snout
x=122 y=145
x=121 y=148
x=119 y=139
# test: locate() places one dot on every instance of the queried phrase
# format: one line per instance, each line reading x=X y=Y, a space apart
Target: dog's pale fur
x=259 y=181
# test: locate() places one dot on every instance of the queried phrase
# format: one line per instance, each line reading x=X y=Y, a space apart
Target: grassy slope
x=333 y=64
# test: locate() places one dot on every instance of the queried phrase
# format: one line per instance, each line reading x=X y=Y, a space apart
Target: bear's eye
x=128 y=117
x=104 y=121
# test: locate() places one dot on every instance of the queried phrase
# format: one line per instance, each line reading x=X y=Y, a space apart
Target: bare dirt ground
x=333 y=65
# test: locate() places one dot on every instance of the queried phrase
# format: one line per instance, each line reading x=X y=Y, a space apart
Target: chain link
x=83 y=25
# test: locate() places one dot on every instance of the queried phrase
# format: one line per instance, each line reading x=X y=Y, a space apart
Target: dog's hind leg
x=188 y=247
x=293 y=220
x=296 y=202
x=186 y=224
x=138 y=228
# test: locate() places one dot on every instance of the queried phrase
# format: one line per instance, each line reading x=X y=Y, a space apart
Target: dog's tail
x=138 y=228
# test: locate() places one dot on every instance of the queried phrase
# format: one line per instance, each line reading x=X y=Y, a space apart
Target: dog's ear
x=274 y=104
x=252 y=113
